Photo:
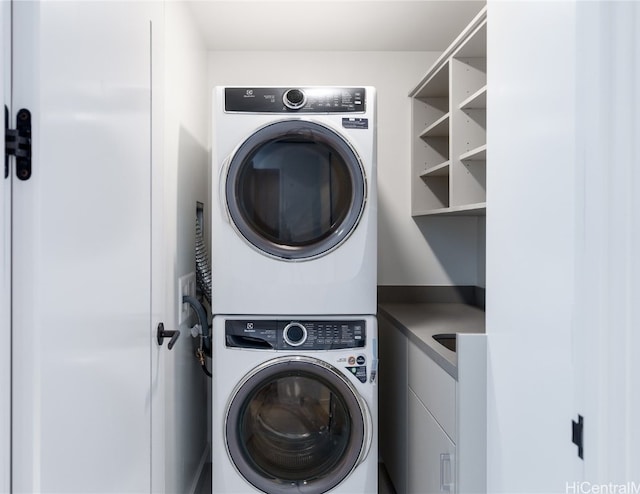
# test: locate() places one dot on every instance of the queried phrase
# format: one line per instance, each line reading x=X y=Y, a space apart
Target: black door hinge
x=577 y=435
x=17 y=142
x=6 y=152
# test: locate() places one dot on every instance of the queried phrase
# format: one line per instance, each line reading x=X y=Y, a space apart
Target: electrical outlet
x=186 y=287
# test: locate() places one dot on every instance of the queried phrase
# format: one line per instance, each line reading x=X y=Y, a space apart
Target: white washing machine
x=294 y=207
x=294 y=405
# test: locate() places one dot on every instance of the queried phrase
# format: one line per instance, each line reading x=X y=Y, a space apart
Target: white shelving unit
x=449 y=129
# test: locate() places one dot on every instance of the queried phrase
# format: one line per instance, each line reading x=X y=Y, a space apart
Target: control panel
x=294 y=100
x=295 y=335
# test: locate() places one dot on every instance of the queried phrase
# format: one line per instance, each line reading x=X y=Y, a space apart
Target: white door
x=5 y=262
x=82 y=327
x=563 y=236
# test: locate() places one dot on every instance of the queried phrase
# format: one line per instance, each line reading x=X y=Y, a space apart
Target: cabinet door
x=431 y=457
x=82 y=330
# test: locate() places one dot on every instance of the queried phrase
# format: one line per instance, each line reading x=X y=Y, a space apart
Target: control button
x=361 y=360
x=294 y=99
x=295 y=334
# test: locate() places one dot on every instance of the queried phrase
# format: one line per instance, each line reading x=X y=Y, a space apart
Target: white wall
x=426 y=251
x=185 y=182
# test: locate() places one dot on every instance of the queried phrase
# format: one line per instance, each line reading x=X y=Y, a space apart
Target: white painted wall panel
x=185 y=183
x=426 y=251
x=531 y=246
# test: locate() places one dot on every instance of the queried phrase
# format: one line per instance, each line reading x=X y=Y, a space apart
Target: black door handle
x=163 y=333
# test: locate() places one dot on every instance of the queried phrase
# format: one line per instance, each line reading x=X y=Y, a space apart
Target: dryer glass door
x=295 y=189
x=296 y=425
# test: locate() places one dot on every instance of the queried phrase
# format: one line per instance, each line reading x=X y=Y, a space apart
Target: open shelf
x=439 y=128
x=440 y=170
x=476 y=154
x=478 y=209
x=477 y=100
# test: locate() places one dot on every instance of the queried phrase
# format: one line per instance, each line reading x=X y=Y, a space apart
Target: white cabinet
x=449 y=128
x=431 y=453
x=434 y=387
x=432 y=426
x=432 y=400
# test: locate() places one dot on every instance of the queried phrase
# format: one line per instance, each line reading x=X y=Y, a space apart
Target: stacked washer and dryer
x=294 y=258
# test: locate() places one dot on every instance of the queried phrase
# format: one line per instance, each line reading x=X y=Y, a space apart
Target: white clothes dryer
x=294 y=405
x=294 y=208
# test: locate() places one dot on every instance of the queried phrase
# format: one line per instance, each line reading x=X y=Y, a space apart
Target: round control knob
x=295 y=334
x=294 y=99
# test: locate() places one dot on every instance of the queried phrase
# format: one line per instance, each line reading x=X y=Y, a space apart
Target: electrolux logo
x=584 y=487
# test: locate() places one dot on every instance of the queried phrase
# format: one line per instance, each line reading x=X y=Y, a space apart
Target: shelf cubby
x=435 y=193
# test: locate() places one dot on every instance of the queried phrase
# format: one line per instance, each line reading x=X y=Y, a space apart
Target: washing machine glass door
x=295 y=425
x=295 y=189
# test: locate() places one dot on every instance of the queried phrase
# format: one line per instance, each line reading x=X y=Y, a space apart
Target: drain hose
x=202 y=317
